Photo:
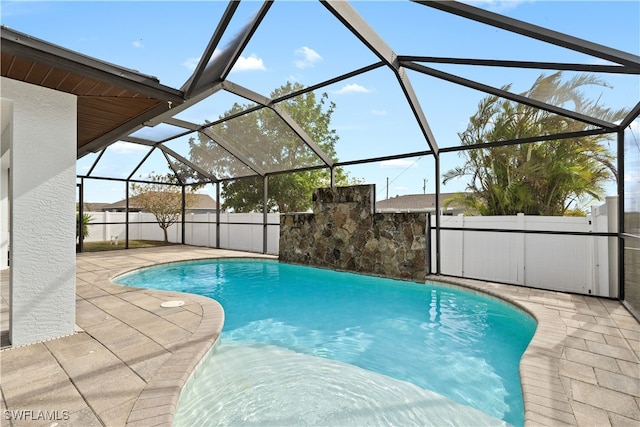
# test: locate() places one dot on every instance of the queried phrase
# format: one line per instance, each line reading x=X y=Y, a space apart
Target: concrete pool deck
x=130 y=358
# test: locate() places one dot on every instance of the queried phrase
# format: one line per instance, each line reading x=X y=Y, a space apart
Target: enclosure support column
x=183 y=213
x=333 y=176
x=437 y=205
x=126 y=216
x=620 y=207
x=428 y=244
x=265 y=200
x=80 y=220
x=217 y=215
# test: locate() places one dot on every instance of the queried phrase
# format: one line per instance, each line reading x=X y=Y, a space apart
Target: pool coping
x=581 y=367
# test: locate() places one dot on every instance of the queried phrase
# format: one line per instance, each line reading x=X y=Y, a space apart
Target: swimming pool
x=312 y=346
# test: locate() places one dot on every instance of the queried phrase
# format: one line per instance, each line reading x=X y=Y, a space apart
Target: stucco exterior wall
x=345 y=233
x=6 y=110
x=42 y=212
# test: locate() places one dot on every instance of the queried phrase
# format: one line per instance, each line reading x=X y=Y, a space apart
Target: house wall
x=345 y=233
x=6 y=109
x=42 y=212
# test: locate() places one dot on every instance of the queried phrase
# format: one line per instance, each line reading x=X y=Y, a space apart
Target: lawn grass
x=133 y=244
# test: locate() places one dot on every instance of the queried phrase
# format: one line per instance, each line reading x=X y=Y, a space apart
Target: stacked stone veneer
x=345 y=233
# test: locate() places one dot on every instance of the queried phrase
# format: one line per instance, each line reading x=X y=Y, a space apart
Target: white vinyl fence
x=572 y=263
x=243 y=232
x=579 y=264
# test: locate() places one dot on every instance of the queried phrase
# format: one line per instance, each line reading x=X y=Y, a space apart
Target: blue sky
x=301 y=41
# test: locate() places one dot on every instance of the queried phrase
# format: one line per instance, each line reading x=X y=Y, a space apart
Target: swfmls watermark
x=36 y=415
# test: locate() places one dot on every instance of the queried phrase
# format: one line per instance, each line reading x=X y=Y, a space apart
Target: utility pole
x=424 y=186
x=387 y=187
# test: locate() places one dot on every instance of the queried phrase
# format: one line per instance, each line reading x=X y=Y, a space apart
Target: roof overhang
x=112 y=101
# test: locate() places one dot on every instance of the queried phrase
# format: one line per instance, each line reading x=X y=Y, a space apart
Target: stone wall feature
x=344 y=233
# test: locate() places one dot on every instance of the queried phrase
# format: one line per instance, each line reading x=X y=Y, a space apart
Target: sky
x=300 y=41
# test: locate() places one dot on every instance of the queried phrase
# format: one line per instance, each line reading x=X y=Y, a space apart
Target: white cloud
x=138 y=44
x=250 y=63
x=496 y=5
x=632 y=176
x=127 y=148
x=191 y=63
x=352 y=88
x=379 y=112
x=398 y=163
x=309 y=57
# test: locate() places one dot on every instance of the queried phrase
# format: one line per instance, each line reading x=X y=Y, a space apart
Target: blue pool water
x=400 y=338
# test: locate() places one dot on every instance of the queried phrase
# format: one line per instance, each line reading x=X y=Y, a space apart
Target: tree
x=543 y=178
x=163 y=201
x=270 y=144
x=86 y=221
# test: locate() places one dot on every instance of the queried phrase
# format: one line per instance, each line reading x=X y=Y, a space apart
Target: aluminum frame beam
x=633 y=114
x=188 y=163
x=209 y=133
x=350 y=18
x=346 y=14
x=166 y=150
x=193 y=81
x=534 y=31
x=564 y=66
x=529 y=140
x=122 y=131
x=140 y=163
x=414 y=104
x=326 y=83
x=173 y=110
x=246 y=36
x=297 y=129
x=508 y=95
x=245 y=93
x=268 y=102
x=173 y=169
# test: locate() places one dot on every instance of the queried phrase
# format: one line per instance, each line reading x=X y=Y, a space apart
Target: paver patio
x=130 y=358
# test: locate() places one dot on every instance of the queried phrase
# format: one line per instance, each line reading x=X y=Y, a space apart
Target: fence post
x=218 y=215
x=593 y=264
x=462 y=250
x=107 y=227
x=428 y=245
x=521 y=244
x=612 y=227
x=208 y=230
x=265 y=212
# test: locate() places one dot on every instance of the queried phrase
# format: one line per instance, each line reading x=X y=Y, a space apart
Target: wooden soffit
x=111 y=100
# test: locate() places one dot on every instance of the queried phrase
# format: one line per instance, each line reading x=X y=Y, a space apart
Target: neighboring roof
x=93 y=207
x=412 y=202
x=200 y=202
x=112 y=100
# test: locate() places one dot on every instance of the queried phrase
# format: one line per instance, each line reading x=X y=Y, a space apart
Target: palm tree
x=543 y=178
x=86 y=220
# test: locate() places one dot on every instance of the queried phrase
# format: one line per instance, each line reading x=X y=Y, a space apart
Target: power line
x=399 y=175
